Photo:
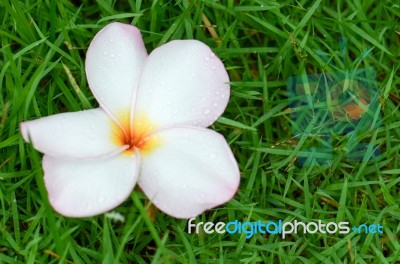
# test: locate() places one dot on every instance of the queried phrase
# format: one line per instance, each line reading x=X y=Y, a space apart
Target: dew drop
x=101 y=199
x=213 y=67
x=206 y=111
x=105 y=53
x=212 y=55
x=215 y=105
x=207 y=58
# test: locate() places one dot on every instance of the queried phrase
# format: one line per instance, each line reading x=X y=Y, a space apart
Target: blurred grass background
x=262 y=43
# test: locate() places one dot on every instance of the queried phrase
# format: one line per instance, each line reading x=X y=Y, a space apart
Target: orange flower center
x=139 y=138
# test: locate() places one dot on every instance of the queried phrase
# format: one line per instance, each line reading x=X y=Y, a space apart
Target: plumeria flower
x=150 y=129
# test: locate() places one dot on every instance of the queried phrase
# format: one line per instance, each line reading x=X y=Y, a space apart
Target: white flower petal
x=183 y=83
x=191 y=171
x=114 y=61
x=83 y=134
x=81 y=188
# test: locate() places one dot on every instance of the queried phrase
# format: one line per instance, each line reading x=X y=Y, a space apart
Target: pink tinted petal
x=81 y=188
x=193 y=170
x=114 y=62
x=183 y=83
x=83 y=134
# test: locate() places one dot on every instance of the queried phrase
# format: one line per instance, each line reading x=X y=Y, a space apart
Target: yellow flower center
x=139 y=138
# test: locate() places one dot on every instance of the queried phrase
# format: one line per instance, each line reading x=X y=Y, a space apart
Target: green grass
x=262 y=43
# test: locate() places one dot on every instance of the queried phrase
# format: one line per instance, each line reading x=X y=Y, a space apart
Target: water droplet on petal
x=207 y=58
x=206 y=111
x=212 y=55
x=215 y=105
